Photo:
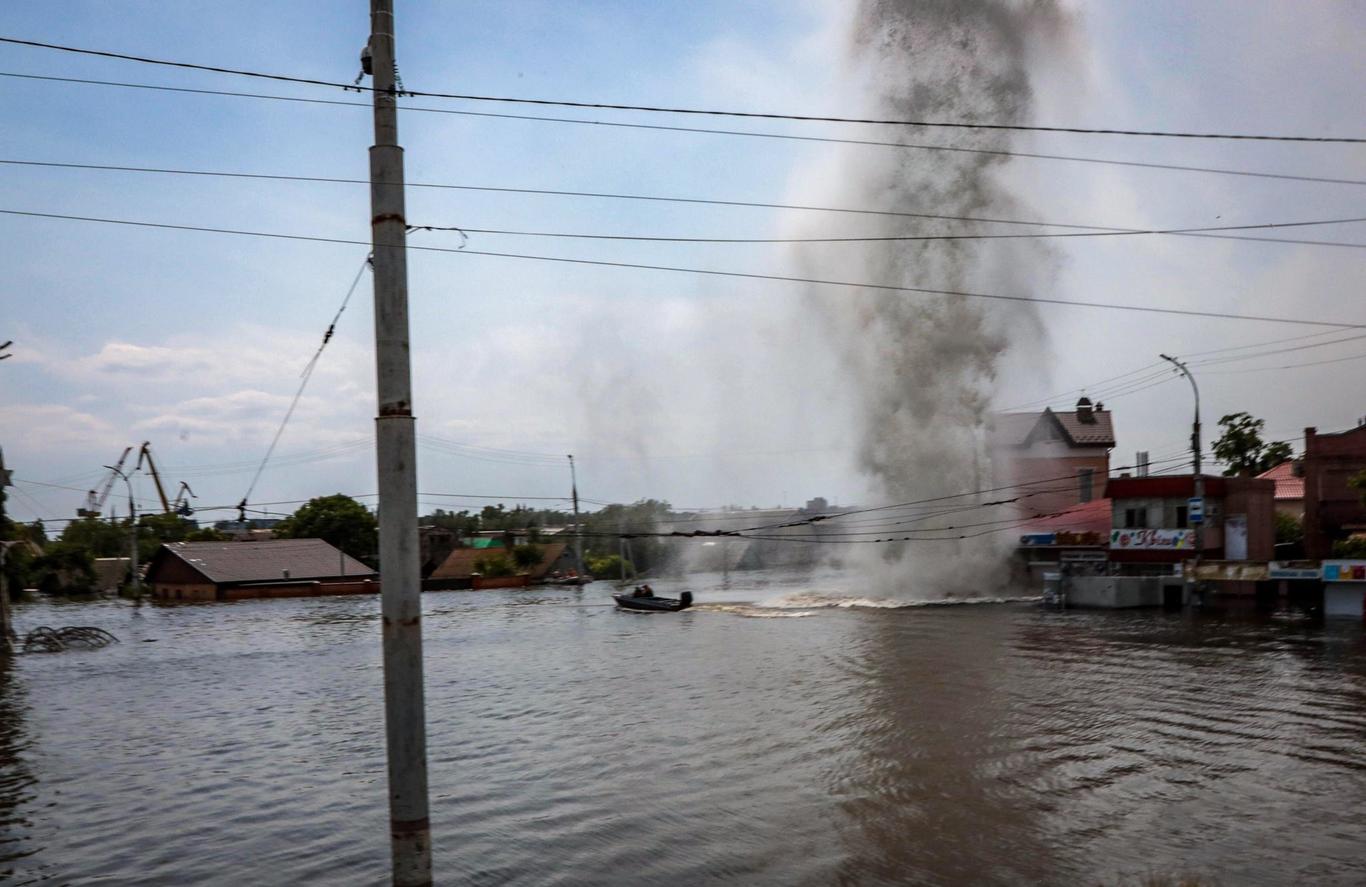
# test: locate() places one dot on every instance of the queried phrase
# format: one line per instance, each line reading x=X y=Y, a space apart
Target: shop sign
x=1280 y=570
x=1344 y=571
x=1164 y=540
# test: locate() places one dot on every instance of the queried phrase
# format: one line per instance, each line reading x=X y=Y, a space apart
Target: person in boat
x=649 y=592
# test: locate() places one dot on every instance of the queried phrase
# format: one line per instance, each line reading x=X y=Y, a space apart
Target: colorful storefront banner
x=1166 y=540
x=1344 y=571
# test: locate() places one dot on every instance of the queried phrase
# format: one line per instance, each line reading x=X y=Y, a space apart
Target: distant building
x=1151 y=519
x=111 y=573
x=460 y=566
x=1064 y=457
x=1289 y=480
x=434 y=545
x=226 y=571
x=1332 y=509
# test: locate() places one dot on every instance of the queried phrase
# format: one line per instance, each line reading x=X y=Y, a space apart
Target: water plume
x=919 y=371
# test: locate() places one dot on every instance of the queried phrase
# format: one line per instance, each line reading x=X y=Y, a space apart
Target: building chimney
x=286 y=573
x=1084 y=413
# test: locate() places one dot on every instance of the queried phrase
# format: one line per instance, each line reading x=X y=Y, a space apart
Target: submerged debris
x=55 y=640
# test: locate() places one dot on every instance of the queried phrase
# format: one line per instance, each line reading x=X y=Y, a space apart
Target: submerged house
x=1059 y=459
x=229 y=571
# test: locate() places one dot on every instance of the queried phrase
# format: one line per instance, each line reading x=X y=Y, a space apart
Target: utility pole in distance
x=1195 y=451
x=400 y=572
x=578 y=536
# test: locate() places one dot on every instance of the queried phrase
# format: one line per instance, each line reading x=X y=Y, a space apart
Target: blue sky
x=704 y=391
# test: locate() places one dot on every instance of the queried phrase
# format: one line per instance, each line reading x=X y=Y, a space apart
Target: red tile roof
x=1288 y=486
x=1089 y=517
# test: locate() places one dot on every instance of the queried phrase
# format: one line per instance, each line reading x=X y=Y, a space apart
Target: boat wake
x=815 y=600
x=752 y=611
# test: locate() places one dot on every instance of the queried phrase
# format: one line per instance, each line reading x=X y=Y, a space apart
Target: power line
x=1289 y=366
x=1094 y=387
x=1137 y=164
x=691 y=111
x=1098 y=230
x=463 y=230
x=303 y=381
x=742 y=275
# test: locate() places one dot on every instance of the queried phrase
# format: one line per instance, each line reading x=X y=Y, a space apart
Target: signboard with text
x=1144 y=539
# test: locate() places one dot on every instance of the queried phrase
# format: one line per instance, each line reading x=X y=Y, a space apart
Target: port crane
x=180 y=505
x=145 y=455
x=94 y=499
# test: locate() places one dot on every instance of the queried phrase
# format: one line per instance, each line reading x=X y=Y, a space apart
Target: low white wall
x=1115 y=592
x=1344 y=600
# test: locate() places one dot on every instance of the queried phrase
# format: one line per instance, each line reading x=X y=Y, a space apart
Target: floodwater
x=983 y=743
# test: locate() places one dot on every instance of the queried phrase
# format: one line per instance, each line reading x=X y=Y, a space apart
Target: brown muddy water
x=990 y=743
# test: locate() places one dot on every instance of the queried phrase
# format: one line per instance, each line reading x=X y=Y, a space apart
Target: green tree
x=1242 y=449
x=99 y=538
x=527 y=556
x=1289 y=531
x=64 y=567
x=1358 y=483
x=602 y=527
x=339 y=520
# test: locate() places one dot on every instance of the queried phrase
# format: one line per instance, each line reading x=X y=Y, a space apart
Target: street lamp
x=133 y=514
x=1195 y=450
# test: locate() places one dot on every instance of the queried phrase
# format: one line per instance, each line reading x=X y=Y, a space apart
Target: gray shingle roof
x=266 y=560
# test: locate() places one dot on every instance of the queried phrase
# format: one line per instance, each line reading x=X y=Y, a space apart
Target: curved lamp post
x=133 y=514
x=1195 y=451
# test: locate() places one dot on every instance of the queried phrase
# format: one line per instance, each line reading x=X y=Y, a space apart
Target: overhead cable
x=888 y=238
x=564 y=103
x=303 y=382
x=1137 y=164
x=1210 y=232
x=742 y=275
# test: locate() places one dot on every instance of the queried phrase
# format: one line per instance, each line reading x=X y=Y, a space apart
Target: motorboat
x=648 y=602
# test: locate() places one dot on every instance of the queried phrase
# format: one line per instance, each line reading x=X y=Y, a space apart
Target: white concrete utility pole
x=1195 y=451
x=400 y=577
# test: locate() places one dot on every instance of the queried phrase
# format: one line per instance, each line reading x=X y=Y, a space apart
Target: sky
x=701 y=390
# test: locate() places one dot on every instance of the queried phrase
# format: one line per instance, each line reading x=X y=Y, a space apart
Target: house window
x=1085 y=478
x=1135 y=518
x=1181 y=519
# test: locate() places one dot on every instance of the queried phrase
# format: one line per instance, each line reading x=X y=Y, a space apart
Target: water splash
x=920 y=371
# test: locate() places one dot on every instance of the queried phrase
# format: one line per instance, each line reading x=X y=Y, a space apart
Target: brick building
x=1151 y=521
x=1332 y=509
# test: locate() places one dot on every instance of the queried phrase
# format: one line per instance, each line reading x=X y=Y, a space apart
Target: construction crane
x=94 y=500
x=181 y=505
x=145 y=455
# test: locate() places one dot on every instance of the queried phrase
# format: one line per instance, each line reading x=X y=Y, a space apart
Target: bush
x=1354 y=547
x=494 y=566
x=605 y=566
